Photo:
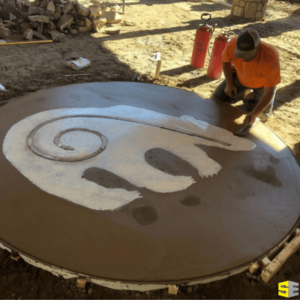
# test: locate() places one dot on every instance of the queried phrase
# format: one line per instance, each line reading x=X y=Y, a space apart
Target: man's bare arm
x=262 y=104
x=230 y=88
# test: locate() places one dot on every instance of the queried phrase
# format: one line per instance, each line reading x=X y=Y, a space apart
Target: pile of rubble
x=41 y=18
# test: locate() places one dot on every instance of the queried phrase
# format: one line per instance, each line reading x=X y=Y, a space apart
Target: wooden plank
x=274 y=266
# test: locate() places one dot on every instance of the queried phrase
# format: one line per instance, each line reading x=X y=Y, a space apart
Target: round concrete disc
x=217 y=224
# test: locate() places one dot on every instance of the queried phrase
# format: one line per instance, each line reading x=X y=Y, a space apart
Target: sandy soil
x=169 y=27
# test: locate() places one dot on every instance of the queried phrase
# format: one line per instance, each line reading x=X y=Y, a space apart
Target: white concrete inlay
x=123 y=156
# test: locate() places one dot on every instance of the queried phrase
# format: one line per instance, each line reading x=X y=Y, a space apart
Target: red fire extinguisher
x=215 y=64
x=201 y=44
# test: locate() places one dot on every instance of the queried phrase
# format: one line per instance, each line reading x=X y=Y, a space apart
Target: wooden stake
x=158 y=69
x=254 y=268
x=81 y=282
x=25 y=43
x=173 y=289
x=274 y=266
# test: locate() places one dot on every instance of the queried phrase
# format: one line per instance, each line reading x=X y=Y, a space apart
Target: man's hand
x=250 y=118
x=230 y=90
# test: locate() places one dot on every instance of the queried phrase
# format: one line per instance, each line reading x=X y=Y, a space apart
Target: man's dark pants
x=250 y=104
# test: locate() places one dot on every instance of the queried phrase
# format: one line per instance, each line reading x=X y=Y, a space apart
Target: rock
x=25 y=15
x=112 y=17
x=83 y=28
x=93 y=13
x=34 y=24
x=88 y=23
x=4 y=32
x=68 y=7
x=253 y=283
x=254 y=277
x=28 y=34
x=115 y=8
x=138 y=295
x=51 y=26
x=98 y=24
x=189 y=290
x=82 y=11
x=64 y=21
x=39 y=35
x=8 y=10
x=249 y=275
x=51 y=6
x=259 y=278
x=96 y=8
x=25 y=26
x=56 y=36
x=73 y=13
x=112 y=30
x=50 y=14
x=44 y=4
x=57 y=13
x=74 y=31
x=129 y=23
x=35 y=11
x=40 y=28
x=39 y=18
x=80 y=21
x=90 y=291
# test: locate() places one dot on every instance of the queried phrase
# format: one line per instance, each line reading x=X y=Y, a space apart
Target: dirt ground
x=169 y=27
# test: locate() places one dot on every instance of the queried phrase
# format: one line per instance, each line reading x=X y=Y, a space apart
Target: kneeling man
x=250 y=64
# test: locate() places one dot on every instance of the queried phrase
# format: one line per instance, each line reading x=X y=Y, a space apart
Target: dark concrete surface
x=215 y=225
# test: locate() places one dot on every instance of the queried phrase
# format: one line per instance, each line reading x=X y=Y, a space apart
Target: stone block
x=40 y=28
x=115 y=8
x=112 y=17
x=4 y=32
x=258 y=14
x=28 y=34
x=51 y=26
x=264 y=10
x=242 y=4
x=68 y=7
x=56 y=36
x=50 y=14
x=250 y=10
x=25 y=26
x=98 y=24
x=8 y=10
x=238 y=11
x=39 y=18
x=259 y=7
x=82 y=11
x=57 y=13
x=236 y=2
x=94 y=13
x=64 y=21
x=96 y=8
x=51 y=6
x=44 y=4
x=112 y=30
x=80 y=22
x=129 y=23
x=39 y=35
x=34 y=24
x=35 y=11
x=84 y=28
x=73 y=31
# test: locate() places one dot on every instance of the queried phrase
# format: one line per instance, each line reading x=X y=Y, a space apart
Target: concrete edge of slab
x=142 y=286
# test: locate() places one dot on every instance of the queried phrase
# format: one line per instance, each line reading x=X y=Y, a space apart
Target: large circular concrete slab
x=214 y=225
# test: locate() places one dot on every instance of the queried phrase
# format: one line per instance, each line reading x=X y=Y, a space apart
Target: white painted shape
x=123 y=156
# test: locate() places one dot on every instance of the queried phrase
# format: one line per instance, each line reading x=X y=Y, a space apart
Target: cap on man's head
x=247 y=44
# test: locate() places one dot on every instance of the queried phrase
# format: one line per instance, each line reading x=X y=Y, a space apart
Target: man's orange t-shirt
x=262 y=71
